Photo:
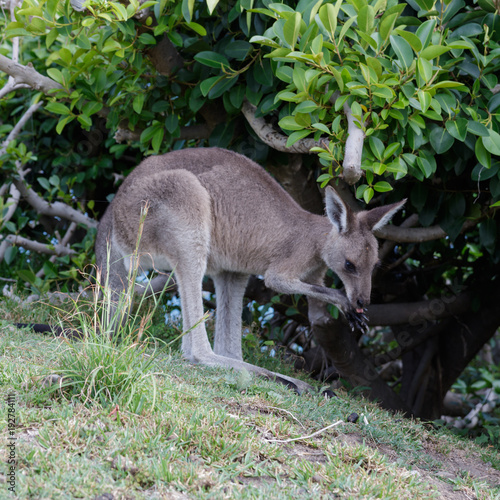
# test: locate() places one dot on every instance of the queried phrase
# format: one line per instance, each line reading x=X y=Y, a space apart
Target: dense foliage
x=420 y=78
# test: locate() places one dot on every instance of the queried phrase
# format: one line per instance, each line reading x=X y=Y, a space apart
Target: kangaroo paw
x=357 y=321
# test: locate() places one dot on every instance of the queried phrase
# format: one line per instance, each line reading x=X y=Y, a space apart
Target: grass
x=128 y=419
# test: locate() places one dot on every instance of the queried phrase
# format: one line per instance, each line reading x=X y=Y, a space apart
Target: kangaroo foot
x=292 y=383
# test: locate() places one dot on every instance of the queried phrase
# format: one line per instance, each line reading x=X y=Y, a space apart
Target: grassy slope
x=216 y=434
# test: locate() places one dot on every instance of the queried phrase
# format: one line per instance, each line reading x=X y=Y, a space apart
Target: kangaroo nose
x=360 y=305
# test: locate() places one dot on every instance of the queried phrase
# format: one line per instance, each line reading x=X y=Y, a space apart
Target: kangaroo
x=215 y=212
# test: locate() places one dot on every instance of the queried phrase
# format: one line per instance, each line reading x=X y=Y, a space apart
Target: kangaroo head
x=352 y=249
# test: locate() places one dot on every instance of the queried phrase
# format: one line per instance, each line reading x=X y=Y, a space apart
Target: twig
x=63 y=242
x=289 y=413
x=271 y=137
x=306 y=437
x=12 y=203
x=19 y=125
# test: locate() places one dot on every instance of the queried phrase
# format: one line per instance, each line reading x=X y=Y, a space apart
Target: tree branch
x=55 y=209
x=417 y=313
x=353 y=149
x=417 y=234
x=276 y=140
x=64 y=242
x=19 y=125
x=36 y=246
x=28 y=75
x=12 y=203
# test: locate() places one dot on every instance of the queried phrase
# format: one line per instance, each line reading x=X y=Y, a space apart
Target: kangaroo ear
x=380 y=216
x=335 y=209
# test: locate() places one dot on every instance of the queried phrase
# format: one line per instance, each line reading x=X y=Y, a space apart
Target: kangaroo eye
x=349 y=266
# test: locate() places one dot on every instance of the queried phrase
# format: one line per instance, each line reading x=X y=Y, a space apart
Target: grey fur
x=214 y=212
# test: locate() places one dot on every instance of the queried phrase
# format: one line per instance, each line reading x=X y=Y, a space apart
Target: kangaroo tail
x=70 y=333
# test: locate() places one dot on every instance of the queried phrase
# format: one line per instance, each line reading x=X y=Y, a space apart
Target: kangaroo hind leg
x=229 y=291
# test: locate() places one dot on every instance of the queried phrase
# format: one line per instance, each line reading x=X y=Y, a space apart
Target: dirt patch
x=308 y=453
x=451 y=472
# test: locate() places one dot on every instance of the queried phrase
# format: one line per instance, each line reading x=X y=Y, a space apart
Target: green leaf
x=433 y=51
x=368 y=194
x=494 y=103
x=148 y=133
x=197 y=28
x=424 y=69
x=377 y=147
x=425 y=166
x=411 y=38
x=211 y=4
x=85 y=120
x=92 y=107
x=147 y=39
x=382 y=91
x=483 y=156
x=306 y=107
x=212 y=59
x=440 y=139
x=62 y=123
x=206 y=85
x=344 y=29
x=457 y=128
x=157 y=139
x=424 y=98
x=391 y=150
x=477 y=128
x=386 y=25
x=403 y=50
x=51 y=37
x=296 y=136
x=289 y=123
x=56 y=75
x=44 y=183
x=382 y=187
x=27 y=275
x=119 y=10
x=328 y=18
x=366 y=17
x=322 y=127
x=492 y=142
x=425 y=31
x=238 y=49
x=10 y=254
x=138 y=103
x=449 y=85
x=291 y=29
x=187 y=9
x=488 y=234
x=237 y=95
x=57 y=108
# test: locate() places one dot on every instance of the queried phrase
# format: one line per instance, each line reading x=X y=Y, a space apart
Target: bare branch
x=417 y=234
x=276 y=140
x=19 y=125
x=63 y=242
x=353 y=149
x=28 y=75
x=38 y=247
x=12 y=203
x=415 y=313
x=55 y=209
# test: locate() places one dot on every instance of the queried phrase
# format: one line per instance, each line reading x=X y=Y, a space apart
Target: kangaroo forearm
x=290 y=286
